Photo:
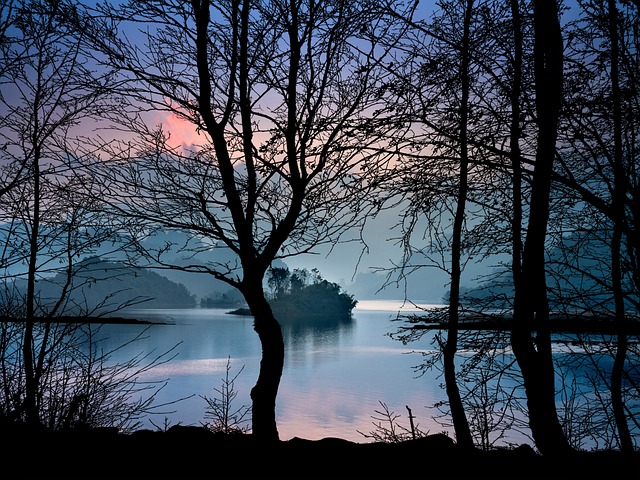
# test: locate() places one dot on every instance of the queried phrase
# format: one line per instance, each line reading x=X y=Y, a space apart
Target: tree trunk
x=265 y=391
x=618 y=209
x=531 y=310
x=515 y=152
x=458 y=416
x=31 y=380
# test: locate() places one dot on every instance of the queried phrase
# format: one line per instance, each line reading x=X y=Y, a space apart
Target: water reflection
x=315 y=329
x=200 y=333
x=336 y=371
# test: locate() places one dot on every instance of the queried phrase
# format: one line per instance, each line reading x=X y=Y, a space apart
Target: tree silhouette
x=48 y=89
x=284 y=97
x=555 y=195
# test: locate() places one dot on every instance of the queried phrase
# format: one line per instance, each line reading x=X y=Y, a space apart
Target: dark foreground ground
x=192 y=452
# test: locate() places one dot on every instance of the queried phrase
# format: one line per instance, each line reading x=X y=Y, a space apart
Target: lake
x=335 y=374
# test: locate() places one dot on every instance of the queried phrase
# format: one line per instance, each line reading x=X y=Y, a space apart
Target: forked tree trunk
x=515 y=151
x=531 y=336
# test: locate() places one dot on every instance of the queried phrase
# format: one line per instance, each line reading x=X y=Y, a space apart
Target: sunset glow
x=182 y=133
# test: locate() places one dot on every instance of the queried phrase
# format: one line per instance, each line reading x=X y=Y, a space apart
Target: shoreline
x=186 y=452
x=82 y=319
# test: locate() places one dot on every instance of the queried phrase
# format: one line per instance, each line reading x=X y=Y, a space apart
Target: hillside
x=101 y=286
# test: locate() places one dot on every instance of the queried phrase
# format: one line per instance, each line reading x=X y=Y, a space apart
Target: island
x=304 y=293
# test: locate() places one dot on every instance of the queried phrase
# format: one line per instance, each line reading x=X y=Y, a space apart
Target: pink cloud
x=181 y=132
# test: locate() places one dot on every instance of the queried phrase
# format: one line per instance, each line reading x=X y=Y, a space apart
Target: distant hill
x=232 y=298
x=578 y=279
x=101 y=286
x=183 y=250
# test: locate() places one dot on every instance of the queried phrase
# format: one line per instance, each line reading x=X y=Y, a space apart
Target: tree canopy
x=302 y=294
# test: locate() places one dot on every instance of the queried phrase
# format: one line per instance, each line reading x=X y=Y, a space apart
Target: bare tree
x=531 y=308
x=514 y=154
x=47 y=90
x=456 y=94
x=619 y=197
x=599 y=179
x=463 y=432
x=285 y=97
x=223 y=415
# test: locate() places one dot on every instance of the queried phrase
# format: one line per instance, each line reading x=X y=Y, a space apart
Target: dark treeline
x=499 y=131
x=303 y=293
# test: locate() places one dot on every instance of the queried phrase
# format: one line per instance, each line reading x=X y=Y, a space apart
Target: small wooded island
x=302 y=294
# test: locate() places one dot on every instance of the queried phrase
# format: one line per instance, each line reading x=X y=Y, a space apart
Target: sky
x=344 y=261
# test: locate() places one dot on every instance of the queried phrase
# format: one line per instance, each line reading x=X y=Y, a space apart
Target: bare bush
x=389 y=430
x=221 y=413
x=81 y=387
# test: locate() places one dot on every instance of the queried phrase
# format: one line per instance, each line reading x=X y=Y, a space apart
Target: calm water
x=334 y=379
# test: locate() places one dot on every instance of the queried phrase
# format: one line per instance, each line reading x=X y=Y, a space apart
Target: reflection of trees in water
x=318 y=328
